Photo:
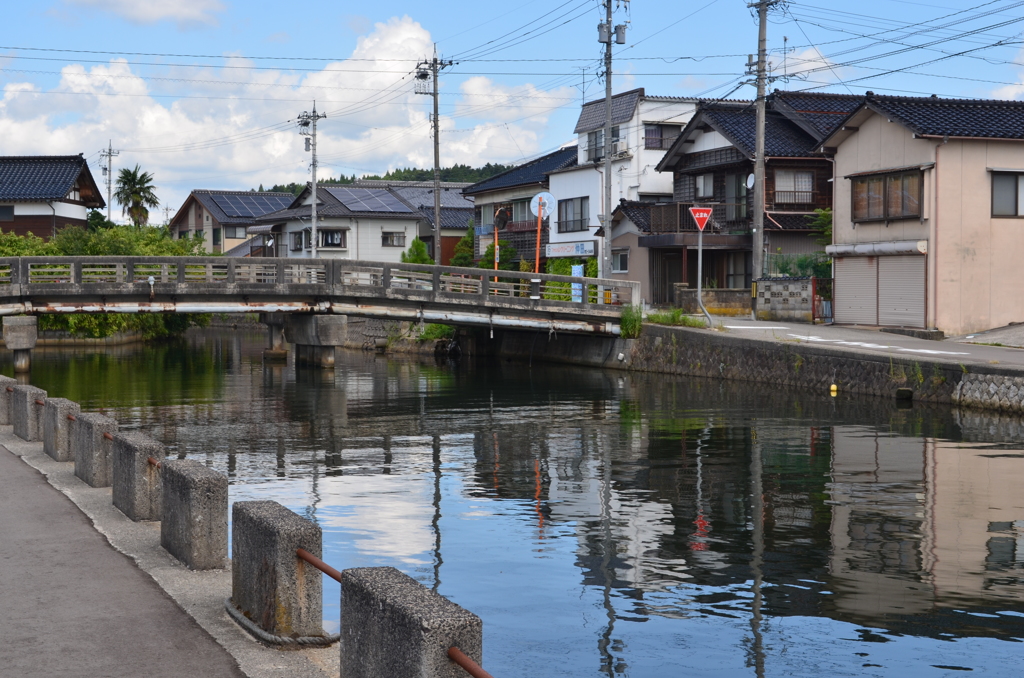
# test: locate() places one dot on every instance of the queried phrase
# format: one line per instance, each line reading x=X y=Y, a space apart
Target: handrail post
x=76 y=272
x=385 y=277
x=129 y=274
x=231 y=271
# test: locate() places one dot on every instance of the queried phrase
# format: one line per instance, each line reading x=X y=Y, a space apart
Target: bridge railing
x=387 y=279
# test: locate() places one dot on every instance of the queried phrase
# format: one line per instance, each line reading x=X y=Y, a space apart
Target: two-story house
x=503 y=202
x=712 y=165
x=371 y=224
x=929 y=212
x=220 y=218
x=643 y=128
x=40 y=194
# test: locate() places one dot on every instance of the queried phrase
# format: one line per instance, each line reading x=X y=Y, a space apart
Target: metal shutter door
x=901 y=291
x=856 y=290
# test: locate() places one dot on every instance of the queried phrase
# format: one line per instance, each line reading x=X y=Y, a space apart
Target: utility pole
x=604 y=34
x=761 y=80
x=307 y=127
x=108 y=169
x=424 y=70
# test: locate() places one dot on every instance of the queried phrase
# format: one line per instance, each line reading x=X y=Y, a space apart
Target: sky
x=205 y=93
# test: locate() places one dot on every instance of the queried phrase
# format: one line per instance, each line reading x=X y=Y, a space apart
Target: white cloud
x=1015 y=91
x=179 y=122
x=809 y=64
x=182 y=12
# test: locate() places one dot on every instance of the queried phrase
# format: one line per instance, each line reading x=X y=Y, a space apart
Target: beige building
x=929 y=213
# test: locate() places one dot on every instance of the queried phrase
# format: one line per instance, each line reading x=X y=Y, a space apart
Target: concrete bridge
x=317 y=289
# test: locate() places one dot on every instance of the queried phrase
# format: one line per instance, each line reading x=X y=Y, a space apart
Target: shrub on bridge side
x=115 y=241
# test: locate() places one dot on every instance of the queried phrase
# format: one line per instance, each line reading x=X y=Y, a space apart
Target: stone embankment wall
x=699 y=353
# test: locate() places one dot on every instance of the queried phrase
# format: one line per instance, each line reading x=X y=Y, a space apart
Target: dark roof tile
x=986 y=118
x=637 y=212
x=42 y=177
x=533 y=172
x=592 y=116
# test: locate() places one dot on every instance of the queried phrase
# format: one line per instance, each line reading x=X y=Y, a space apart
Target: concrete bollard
x=26 y=411
x=20 y=335
x=90 y=449
x=5 y=399
x=391 y=625
x=269 y=584
x=57 y=427
x=194 y=525
x=137 y=487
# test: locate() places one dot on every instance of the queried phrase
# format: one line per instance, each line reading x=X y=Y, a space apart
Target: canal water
x=612 y=524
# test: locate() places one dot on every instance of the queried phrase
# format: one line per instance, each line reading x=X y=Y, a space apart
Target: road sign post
x=541 y=206
x=701 y=216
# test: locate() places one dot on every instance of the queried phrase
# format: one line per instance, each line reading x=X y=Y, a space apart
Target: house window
x=392 y=239
x=296 y=241
x=6 y=212
x=182 y=235
x=887 y=196
x=794 y=187
x=704 y=185
x=620 y=261
x=660 y=137
x=235 y=232
x=216 y=236
x=573 y=215
x=735 y=197
x=332 y=238
x=595 y=143
x=1006 y=194
x=520 y=211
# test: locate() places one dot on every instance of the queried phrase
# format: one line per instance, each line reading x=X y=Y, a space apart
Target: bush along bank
x=111 y=241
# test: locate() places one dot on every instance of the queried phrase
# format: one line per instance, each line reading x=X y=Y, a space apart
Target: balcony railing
x=794 y=197
x=676 y=218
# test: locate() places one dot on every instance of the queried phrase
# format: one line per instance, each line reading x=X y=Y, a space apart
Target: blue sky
x=202 y=92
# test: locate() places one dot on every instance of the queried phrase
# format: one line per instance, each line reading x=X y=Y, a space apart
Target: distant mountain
x=463 y=173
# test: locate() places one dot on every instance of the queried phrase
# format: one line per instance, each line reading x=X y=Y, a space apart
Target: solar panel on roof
x=369 y=200
x=250 y=204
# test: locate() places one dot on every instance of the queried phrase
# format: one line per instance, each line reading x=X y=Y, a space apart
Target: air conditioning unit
x=619 y=147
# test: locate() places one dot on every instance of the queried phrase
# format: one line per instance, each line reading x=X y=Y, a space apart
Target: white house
x=370 y=224
x=40 y=194
x=643 y=128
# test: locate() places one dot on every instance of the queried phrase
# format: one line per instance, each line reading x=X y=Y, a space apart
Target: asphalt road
x=70 y=605
x=872 y=341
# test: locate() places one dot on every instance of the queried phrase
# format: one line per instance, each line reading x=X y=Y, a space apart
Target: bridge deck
x=460 y=296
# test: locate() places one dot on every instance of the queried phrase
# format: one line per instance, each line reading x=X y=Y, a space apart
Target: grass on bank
x=676 y=318
x=435 y=331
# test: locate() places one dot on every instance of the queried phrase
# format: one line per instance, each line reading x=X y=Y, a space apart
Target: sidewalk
x=875 y=342
x=73 y=606
x=86 y=592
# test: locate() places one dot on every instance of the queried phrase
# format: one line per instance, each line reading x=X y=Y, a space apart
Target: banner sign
x=583 y=248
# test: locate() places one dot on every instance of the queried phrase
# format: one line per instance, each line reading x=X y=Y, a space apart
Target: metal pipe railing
x=454 y=653
x=108 y=436
x=40 y=402
x=153 y=462
x=72 y=417
x=470 y=666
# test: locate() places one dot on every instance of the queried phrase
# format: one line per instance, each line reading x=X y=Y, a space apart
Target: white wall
x=62 y=209
x=363 y=240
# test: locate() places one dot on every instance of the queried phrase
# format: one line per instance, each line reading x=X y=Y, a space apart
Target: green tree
x=135 y=193
x=96 y=221
x=506 y=258
x=463 y=255
x=417 y=253
x=821 y=222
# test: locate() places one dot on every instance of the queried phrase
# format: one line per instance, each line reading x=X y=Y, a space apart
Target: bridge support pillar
x=275 y=351
x=20 y=334
x=315 y=337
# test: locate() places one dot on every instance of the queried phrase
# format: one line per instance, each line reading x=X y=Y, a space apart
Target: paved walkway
x=875 y=342
x=70 y=605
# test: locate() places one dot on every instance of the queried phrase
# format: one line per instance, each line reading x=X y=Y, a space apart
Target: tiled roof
x=818 y=113
x=782 y=137
x=637 y=212
x=987 y=118
x=592 y=115
x=420 y=196
x=451 y=217
x=29 y=178
x=205 y=198
x=533 y=172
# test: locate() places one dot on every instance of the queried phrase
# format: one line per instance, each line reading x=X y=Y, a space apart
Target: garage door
x=856 y=290
x=901 y=291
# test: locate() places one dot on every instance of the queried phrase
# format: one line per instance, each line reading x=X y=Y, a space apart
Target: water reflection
x=615 y=524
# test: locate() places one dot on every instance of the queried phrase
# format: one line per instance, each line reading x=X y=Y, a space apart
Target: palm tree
x=135 y=193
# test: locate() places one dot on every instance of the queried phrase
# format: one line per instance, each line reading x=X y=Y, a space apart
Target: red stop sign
x=701 y=216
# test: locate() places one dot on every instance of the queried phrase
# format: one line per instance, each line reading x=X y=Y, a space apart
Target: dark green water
x=604 y=523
